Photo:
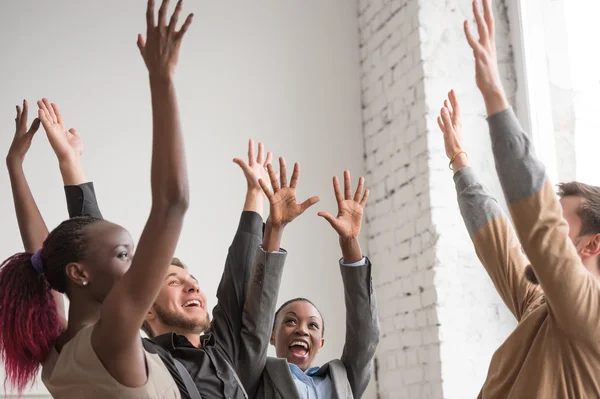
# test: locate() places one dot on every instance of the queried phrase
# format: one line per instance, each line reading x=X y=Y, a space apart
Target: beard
x=172 y=319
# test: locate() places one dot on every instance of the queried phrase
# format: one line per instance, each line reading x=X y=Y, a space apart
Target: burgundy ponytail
x=29 y=322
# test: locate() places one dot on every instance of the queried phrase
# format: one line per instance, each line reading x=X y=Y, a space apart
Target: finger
x=447 y=122
x=308 y=203
x=488 y=15
x=18 y=118
x=24 y=114
x=364 y=199
x=43 y=113
x=175 y=16
x=265 y=189
x=295 y=175
x=162 y=13
x=447 y=105
x=347 y=185
x=471 y=39
x=260 y=156
x=141 y=43
x=50 y=111
x=35 y=125
x=273 y=177
x=74 y=132
x=283 y=173
x=455 y=107
x=269 y=159
x=337 y=190
x=186 y=25
x=481 y=25
x=441 y=124
x=242 y=164
x=250 y=152
x=329 y=217
x=150 y=14
x=59 y=117
x=361 y=185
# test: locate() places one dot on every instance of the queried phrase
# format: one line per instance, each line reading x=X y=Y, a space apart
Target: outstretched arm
x=572 y=293
x=362 y=323
x=263 y=285
x=231 y=293
x=68 y=147
x=493 y=236
x=31 y=224
x=116 y=337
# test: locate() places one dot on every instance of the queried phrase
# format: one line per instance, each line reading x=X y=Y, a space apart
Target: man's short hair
x=589 y=210
x=145 y=326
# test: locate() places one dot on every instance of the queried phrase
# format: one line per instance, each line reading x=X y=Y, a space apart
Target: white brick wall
x=440 y=315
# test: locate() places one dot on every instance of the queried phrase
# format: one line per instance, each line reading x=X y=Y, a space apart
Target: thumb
x=308 y=203
x=242 y=164
x=141 y=43
x=35 y=125
x=74 y=132
x=329 y=217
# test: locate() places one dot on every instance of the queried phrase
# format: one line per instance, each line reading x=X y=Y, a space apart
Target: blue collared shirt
x=309 y=385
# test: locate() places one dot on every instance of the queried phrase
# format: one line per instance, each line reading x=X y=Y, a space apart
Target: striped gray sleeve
x=477 y=206
x=521 y=174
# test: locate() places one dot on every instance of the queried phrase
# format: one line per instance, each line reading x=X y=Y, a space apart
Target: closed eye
x=173 y=282
x=314 y=325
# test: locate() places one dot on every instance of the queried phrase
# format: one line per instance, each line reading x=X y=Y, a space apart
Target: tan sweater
x=555 y=351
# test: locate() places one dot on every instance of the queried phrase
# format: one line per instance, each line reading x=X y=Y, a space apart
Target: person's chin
x=301 y=361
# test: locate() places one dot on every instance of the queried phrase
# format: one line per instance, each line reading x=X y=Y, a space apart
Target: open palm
x=66 y=143
x=282 y=200
x=348 y=221
x=256 y=167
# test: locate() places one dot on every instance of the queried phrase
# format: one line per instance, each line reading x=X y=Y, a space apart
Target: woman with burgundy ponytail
x=99 y=354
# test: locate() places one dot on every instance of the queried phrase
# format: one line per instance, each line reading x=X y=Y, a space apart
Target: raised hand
x=487 y=74
x=283 y=206
x=350 y=209
x=23 y=136
x=66 y=143
x=160 y=49
x=451 y=126
x=256 y=167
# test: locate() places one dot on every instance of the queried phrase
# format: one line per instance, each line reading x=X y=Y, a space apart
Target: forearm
x=254 y=200
x=71 y=172
x=495 y=100
x=272 y=236
x=351 y=251
x=169 y=172
x=258 y=316
x=31 y=224
x=362 y=326
x=494 y=239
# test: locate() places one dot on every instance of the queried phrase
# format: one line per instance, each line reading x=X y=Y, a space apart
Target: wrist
x=460 y=161
x=13 y=161
x=72 y=172
x=351 y=251
x=160 y=79
x=495 y=100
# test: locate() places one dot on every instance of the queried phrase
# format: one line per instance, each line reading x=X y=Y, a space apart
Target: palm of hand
x=258 y=172
x=349 y=218
x=284 y=208
x=65 y=143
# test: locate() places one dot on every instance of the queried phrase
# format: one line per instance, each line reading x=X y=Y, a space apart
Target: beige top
x=77 y=373
x=554 y=352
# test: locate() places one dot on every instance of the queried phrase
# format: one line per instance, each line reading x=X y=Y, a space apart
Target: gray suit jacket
x=270 y=378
